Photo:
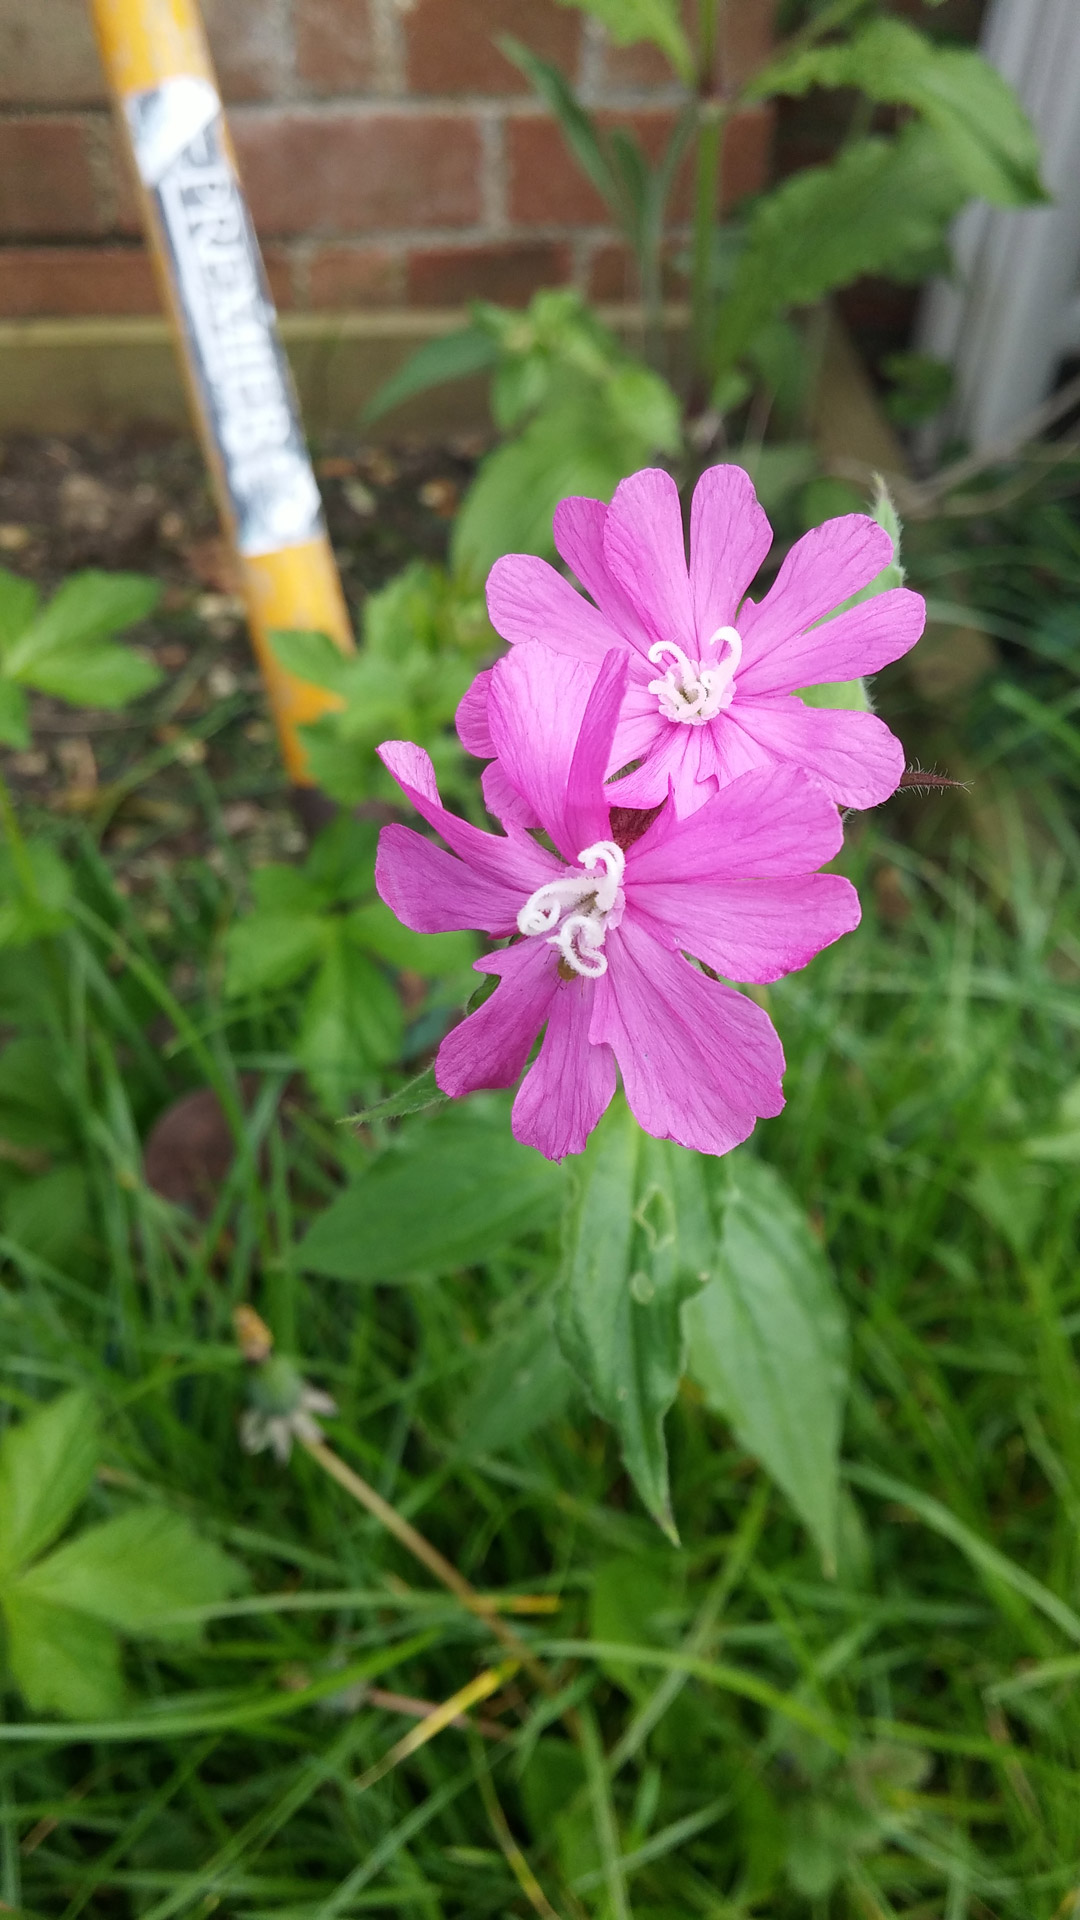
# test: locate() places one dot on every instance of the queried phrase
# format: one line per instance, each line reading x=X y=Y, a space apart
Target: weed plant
x=749 y=1735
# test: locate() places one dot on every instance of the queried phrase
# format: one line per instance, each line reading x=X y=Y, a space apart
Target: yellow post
x=212 y=280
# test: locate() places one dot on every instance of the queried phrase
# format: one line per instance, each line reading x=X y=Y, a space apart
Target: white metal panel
x=1013 y=306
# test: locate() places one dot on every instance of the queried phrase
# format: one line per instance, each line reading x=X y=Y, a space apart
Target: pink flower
x=712 y=676
x=608 y=917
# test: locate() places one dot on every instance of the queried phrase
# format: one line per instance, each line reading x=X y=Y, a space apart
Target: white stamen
x=586 y=905
x=694 y=691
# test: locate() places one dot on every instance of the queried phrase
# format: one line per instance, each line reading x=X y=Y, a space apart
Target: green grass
x=724 y=1730
x=905 y=1734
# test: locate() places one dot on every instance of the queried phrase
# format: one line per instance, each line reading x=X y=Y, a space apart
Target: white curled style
x=694 y=691
x=589 y=905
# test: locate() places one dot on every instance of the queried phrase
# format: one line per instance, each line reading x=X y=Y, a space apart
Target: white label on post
x=235 y=354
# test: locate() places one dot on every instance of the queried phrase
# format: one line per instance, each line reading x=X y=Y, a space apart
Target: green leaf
x=267 y=951
x=414 y=1097
x=14 y=716
x=985 y=135
x=92 y=675
x=62 y=1662
x=312 y=656
x=132 y=1571
x=50 y=1216
x=453 y=356
x=768 y=1345
x=33 y=1109
x=521 y=1382
x=46 y=1465
x=631 y=21
x=578 y=128
x=86 y=610
x=352 y=1022
x=24 y=919
x=584 y=443
x=880 y=207
x=456 y=1191
x=639 y=1244
x=630 y=1595
x=431 y=955
x=18 y=605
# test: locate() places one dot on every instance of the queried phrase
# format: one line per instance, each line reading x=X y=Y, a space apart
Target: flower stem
x=20 y=852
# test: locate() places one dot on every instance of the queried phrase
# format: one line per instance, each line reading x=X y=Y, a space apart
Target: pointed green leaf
x=984 y=133
x=453 y=356
x=458 y=1189
x=578 y=128
x=521 y=1382
x=769 y=1345
x=631 y=21
x=91 y=674
x=46 y=1465
x=62 y=1662
x=880 y=207
x=414 y=1097
x=268 y=950
x=132 y=1571
x=639 y=1244
x=352 y=1021
x=381 y=933
x=18 y=605
x=311 y=656
x=86 y=610
x=14 y=716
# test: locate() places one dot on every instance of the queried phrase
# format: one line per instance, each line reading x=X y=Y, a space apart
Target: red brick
x=355 y=172
x=46 y=184
x=49 y=57
x=247 y=45
x=548 y=188
x=450 y=44
x=612 y=275
x=747 y=154
x=43 y=282
x=335 y=47
x=546 y=185
x=342 y=276
x=450 y=276
x=75 y=280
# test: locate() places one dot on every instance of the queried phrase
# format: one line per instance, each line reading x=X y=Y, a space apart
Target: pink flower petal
x=552 y=722
x=490 y=1047
x=662 y=770
x=824 y=568
x=750 y=929
x=646 y=555
x=729 y=539
x=854 y=756
x=700 y=1063
x=528 y=600
x=471 y=718
x=433 y=892
x=516 y=861
x=570 y=1083
x=579 y=536
x=862 y=640
x=505 y=802
x=764 y=825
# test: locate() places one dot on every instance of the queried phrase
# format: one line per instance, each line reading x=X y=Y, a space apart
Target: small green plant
x=320 y=939
x=68 y=648
x=67 y=1607
x=579 y=412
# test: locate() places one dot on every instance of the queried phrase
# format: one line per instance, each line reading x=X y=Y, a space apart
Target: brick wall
x=392 y=155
